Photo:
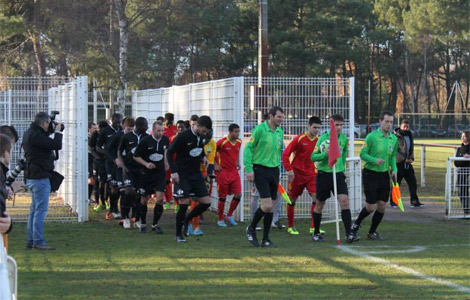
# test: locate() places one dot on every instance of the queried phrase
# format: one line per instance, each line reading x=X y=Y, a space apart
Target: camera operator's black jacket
x=3 y=190
x=38 y=151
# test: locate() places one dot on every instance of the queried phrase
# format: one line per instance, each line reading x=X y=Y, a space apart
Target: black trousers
x=407 y=172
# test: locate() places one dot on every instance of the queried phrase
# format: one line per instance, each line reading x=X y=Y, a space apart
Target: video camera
x=53 y=123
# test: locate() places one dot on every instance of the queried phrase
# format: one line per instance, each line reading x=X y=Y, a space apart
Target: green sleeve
x=365 y=156
x=316 y=154
x=248 y=152
x=393 y=161
x=345 y=153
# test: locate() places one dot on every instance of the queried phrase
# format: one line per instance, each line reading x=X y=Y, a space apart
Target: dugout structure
x=20 y=99
x=244 y=100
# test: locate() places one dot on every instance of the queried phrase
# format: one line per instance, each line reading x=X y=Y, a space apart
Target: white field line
x=389 y=264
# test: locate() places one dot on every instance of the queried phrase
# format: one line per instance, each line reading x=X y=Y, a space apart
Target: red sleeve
x=287 y=152
x=219 y=143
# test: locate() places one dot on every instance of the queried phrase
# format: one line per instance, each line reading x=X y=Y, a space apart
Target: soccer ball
x=324 y=146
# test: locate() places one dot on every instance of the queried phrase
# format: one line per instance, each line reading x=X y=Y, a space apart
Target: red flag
x=334 y=147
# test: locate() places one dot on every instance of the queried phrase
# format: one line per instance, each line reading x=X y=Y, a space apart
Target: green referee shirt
x=321 y=158
x=264 y=147
x=377 y=146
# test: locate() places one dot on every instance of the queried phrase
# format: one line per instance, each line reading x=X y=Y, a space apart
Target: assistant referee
x=262 y=161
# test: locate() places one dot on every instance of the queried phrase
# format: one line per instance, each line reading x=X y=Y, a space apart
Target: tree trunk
x=123 y=23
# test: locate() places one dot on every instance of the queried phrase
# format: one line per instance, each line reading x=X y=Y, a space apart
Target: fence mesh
x=458 y=188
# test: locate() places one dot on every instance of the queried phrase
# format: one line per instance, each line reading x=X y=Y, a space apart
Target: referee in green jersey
x=262 y=161
x=378 y=153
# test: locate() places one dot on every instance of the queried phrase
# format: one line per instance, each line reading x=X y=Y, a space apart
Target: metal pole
x=368 y=108
x=423 y=165
x=95 y=104
x=262 y=53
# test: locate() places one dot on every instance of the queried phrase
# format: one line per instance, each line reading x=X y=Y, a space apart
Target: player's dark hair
x=232 y=127
x=180 y=122
x=314 y=120
x=187 y=124
x=337 y=117
x=102 y=124
x=160 y=119
x=116 y=118
x=385 y=113
x=405 y=121
x=5 y=144
x=10 y=131
x=91 y=124
x=275 y=109
x=170 y=118
x=194 y=118
x=205 y=121
x=141 y=122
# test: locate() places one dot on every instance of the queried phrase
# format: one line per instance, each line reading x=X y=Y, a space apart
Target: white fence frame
x=71 y=100
x=454 y=211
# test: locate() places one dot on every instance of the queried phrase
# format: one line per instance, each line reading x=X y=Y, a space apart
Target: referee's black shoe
x=267 y=243
x=251 y=235
x=351 y=238
x=374 y=236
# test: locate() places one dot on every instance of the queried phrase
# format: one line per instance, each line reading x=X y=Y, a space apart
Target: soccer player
x=99 y=169
x=262 y=161
x=132 y=171
x=150 y=153
x=301 y=170
x=186 y=173
x=102 y=146
x=169 y=129
x=227 y=164
x=324 y=184
x=92 y=154
x=379 y=154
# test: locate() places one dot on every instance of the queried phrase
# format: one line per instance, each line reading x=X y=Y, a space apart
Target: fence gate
x=457 y=189
x=20 y=99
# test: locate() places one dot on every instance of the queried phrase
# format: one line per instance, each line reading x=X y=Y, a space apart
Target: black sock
x=180 y=216
x=364 y=213
x=90 y=190
x=157 y=213
x=143 y=213
x=114 y=198
x=268 y=219
x=122 y=201
x=126 y=205
x=103 y=193
x=257 y=217
x=135 y=200
x=376 y=219
x=346 y=217
x=197 y=210
x=316 y=222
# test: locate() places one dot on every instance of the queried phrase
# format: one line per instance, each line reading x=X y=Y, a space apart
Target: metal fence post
x=423 y=165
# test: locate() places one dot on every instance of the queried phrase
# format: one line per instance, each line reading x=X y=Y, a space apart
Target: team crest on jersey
x=195 y=152
x=209 y=149
x=156 y=157
x=179 y=192
x=164 y=147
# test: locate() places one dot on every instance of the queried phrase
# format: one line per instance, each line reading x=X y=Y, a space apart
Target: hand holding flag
x=283 y=193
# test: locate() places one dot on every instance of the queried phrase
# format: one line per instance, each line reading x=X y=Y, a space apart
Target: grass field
x=424 y=256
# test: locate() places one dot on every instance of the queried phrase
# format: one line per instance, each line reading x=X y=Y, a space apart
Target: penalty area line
x=389 y=264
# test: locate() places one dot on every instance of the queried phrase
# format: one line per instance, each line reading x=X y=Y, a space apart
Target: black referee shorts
x=266 y=181
x=152 y=182
x=325 y=185
x=376 y=186
x=192 y=185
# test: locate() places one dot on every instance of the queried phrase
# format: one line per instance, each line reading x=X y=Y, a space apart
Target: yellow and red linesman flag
x=396 y=195
x=334 y=147
x=283 y=193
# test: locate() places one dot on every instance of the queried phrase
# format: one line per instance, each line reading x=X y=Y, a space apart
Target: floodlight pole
x=262 y=51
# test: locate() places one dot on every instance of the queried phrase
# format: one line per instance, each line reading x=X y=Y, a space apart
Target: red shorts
x=228 y=183
x=296 y=187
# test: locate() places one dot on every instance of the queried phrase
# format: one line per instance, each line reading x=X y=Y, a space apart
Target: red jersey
x=228 y=153
x=302 y=147
x=169 y=131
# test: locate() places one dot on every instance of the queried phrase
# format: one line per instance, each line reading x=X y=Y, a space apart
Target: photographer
x=5 y=220
x=39 y=153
